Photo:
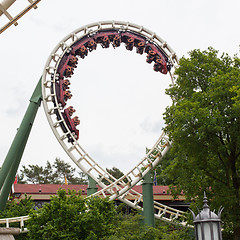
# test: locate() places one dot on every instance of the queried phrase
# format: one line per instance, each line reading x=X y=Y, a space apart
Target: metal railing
x=4 y=5
x=20 y=220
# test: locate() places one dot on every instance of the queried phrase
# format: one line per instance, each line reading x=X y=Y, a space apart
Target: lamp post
x=207 y=223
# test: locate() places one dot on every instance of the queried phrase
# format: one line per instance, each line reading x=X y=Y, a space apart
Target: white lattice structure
x=12 y=20
x=120 y=188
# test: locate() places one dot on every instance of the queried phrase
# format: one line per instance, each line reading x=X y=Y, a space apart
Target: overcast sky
x=118 y=97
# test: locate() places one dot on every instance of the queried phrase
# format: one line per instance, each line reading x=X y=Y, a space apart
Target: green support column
x=11 y=163
x=148 y=205
x=92 y=188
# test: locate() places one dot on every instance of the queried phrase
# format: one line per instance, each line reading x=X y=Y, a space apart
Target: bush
x=72 y=217
x=17 y=209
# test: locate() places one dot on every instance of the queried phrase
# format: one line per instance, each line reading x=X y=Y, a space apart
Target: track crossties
x=88 y=43
x=56 y=83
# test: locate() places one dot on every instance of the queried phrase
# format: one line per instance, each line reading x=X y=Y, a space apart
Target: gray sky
x=118 y=97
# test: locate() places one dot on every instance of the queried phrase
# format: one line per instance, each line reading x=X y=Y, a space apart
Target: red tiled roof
x=52 y=188
x=46 y=188
x=157 y=190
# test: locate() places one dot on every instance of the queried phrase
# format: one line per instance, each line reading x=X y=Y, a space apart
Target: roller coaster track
x=60 y=66
x=5 y=4
x=20 y=220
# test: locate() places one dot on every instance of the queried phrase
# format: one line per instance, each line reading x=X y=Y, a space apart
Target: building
x=41 y=193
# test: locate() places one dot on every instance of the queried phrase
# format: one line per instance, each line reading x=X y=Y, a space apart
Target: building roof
x=44 y=191
x=47 y=188
x=52 y=188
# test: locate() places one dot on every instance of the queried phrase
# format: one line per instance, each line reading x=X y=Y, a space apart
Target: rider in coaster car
x=76 y=121
x=129 y=43
x=68 y=71
x=140 y=47
x=105 y=42
x=92 y=45
x=71 y=110
x=65 y=84
x=116 y=41
x=158 y=65
x=82 y=51
x=72 y=61
x=67 y=95
x=151 y=56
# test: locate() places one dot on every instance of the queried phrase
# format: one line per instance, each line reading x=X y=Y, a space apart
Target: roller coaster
x=60 y=67
x=55 y=93
x=12 y=20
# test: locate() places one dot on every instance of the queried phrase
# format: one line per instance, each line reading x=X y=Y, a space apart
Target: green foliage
x=17 y=209
x=115 y=172
x=72 y=217
x=131 y=227
x=175 y=232
x=204 y=124
x=51 y=174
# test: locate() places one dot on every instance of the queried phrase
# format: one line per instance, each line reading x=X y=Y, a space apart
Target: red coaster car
x=62 y=94
x=66 y=66
x=82 y=47
x=106 y=37
x=133 y=40
x=156 y=56
x=71 y=123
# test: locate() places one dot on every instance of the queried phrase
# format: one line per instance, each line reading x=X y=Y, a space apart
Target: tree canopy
x=70 y=216
x=204 y=125
x=16 y=209
x=51 y=174
x=115 y=172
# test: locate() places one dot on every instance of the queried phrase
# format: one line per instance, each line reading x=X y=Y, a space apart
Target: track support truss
x=13 y=158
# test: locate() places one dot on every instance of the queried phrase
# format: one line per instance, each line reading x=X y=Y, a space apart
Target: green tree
x=51 y=174
x=69 y=216
x=115 y=172
x=73 y=217
x=204 y=124
x=17 y=209
x=34 y=174
x=63 y=170
x=131 y=227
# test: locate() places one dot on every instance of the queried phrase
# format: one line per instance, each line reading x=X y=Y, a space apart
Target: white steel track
x=20 y=220
x=5 y=4
x=119 y=188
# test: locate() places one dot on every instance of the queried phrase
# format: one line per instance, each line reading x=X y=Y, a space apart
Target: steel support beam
x=92 y=188
x=148 y=204
x=11 y=163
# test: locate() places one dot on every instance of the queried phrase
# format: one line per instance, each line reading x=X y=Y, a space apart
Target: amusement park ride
x=53 y=90
x=5 y=4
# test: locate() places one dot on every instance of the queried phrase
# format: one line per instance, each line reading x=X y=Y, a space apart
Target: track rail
x=20 y=220
x=55 y=71
x=4 y=5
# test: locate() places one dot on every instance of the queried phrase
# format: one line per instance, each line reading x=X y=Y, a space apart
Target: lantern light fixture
x=207 y=224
